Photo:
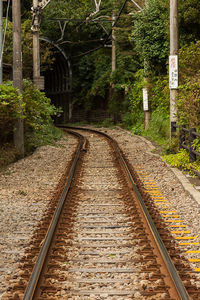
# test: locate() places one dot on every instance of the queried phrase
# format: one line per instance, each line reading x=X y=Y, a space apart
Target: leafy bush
x=135 y=93
x=10 y=110
x=38 y=108
x=47 y=134
x=138 y=121
x=39 y=128
x=127 y=120
x=189 y=62
x=159 y=102
x=37 y=114
x=150 y=32
x=107 y=123
x=189 y=105
x=181 y=160
x=159 y=127
x=10 y=101
x=160 y=94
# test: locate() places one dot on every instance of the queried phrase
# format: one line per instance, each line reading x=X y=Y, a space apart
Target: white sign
x=173 y=71
x=145 y=99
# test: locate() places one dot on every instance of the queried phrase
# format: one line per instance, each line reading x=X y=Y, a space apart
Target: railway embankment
x=28 y=186
x=26 y=190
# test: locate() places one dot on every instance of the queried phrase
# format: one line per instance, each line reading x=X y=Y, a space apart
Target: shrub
x=10 y=110
x=38 y=108
x=39 y=128
x=37 y=114
x=181 y=160
x=159 y=126
x=189 y=105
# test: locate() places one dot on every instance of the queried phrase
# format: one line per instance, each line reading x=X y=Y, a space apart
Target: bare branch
x=62 y=29
x=136 y=4
x=97 y=4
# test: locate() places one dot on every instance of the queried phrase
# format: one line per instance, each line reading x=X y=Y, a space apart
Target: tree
x=150 y=33
x=46 y=50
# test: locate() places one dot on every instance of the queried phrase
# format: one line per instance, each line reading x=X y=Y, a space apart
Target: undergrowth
x=37 y=116
x=181 y=160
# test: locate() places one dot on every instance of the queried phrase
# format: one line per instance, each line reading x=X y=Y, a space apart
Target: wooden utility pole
x=113 y=44
x=17 y=71
x=173 y=63
x=36 y=43
x=113 y=61
x=146 y=105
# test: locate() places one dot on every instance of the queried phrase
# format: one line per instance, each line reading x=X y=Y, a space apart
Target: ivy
x=150 y=33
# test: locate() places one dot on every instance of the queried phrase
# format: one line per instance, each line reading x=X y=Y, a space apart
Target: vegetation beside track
x=139 y=36
x=37 y=116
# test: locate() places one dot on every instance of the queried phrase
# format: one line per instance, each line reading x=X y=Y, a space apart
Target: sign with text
x=173 y=71
x=145 y=99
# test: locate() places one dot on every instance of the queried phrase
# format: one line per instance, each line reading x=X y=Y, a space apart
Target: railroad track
x=102 y=242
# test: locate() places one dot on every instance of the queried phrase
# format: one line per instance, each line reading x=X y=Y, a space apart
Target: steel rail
x=168 y=262
x=30 y=290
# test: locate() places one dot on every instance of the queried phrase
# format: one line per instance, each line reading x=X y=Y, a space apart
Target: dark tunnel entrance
x=58 y=84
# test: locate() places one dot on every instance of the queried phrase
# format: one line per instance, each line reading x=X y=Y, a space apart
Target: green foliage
x=10 y=110
x=189 y=105
x=101 y=71
x=159 y=126
x=107 y=123
x=189 y=91
x=150 y=33
x=189 y=62
x=38 y=108
x=37 y=114
x=181 y=160
x=160 y=93
x=189 y=21
x=47 y=134
x=127 y=120
x=159 y=102
x=138 y=123
x=100 y=85
x=196 y=144
x=39 y=129
x=10 y=101
x=27 y=49
x=135 y=93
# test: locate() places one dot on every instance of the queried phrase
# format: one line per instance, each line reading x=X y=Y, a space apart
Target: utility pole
x=146 y=105
x=113 y=44
x=113 y=61
x=36 y=43
x=17 y=71
x=1 y=41
x=173 y=64
x=146 y=96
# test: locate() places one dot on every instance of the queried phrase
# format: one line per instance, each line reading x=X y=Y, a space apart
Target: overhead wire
x=116 y=21
x=4 y=35
x=108 y=36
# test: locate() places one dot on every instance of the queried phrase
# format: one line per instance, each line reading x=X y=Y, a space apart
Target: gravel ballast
x=26 y=187
x=173 y=186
